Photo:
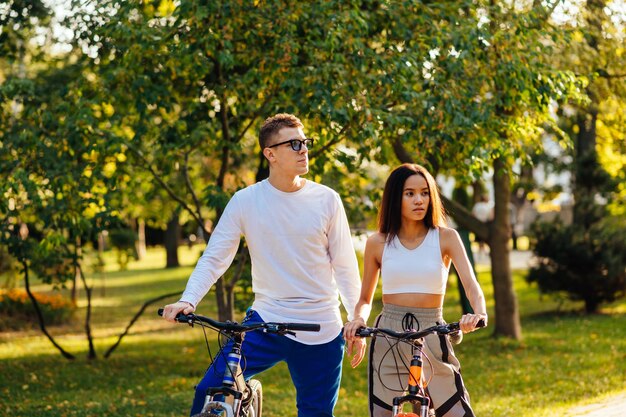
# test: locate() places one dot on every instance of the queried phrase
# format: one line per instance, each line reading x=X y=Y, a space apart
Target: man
x=302 y=261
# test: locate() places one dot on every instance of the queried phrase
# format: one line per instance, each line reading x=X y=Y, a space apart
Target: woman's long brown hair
x=390 y=214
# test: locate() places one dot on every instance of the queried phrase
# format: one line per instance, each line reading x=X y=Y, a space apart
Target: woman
x=413 y=250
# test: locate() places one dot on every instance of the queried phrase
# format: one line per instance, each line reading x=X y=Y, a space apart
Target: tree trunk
x=74 y=291
x=592 y=305
x=140 y=244
x=224 y=297
x=466 y=307
x=100 y=263
x=585 y=184
x=79 y=272
x=507 y=313
x=171 y=241
x=225 y=301
x=42 y=324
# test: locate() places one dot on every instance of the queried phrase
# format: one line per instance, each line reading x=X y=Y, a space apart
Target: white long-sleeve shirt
x=302 y=256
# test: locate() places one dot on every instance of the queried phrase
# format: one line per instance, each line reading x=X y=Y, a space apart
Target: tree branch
x=92 y=350
x=255 y=116
x=605 y=74
x=193 y=193
x=135 y=318
x=163 y=184
x=463 y=217
x=326 y=147
x=401 y=153
x=42 y=324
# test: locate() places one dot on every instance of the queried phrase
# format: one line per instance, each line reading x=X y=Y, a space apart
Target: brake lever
x=277 y=329
x=188 y=318
x=443 y=329
x=364 y=332
x=271 y=328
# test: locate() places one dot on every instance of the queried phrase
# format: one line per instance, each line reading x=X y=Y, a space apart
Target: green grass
x=565 y=358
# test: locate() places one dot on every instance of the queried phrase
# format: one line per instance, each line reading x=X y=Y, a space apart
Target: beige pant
x=389 y=364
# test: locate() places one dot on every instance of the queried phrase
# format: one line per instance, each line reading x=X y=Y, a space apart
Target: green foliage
x=8 y=269
x=587 y=260
x=17 y=311
x=587 y=265
x=59 y=171
x=123 y=240
x=596 y=52
x=19 y=21
x=474 y=83
x=158 y=103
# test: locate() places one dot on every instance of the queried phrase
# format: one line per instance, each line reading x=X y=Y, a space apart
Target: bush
x=8 y=268
x=17 y=310
x=587 y=265
x=123 y=240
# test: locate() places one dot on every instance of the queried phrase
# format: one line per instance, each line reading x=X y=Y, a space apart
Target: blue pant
x=315 y=369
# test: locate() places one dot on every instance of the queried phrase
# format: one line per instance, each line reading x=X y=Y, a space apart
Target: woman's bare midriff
x=417 y=300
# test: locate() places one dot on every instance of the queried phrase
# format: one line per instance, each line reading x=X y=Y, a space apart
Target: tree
x=19 y=22
x=467 y=93
x=61 y=203
x=584 y=264
x=189 y=83
x=586 y=259
x=58 y=162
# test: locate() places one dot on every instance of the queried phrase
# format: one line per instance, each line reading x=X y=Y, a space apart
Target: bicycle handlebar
x=411 y=334
x=228 y=326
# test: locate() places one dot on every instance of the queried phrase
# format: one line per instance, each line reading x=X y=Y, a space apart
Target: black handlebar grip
x=363 y=332
x=180 y=317
x=304 y=327
x=481 y=323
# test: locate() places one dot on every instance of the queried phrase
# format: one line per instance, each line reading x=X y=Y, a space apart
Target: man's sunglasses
x=296 y=144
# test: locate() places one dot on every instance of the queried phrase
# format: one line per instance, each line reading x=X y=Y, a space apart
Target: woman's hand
x=469 y=322
x=350 y=328
x=355 y=343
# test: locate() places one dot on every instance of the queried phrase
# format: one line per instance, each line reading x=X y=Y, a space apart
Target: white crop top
x=420 y=270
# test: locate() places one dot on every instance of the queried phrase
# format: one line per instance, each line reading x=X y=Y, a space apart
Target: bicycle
x=240 y=398
x=416 y=385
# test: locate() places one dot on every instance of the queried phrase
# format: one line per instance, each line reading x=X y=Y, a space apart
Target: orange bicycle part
x=415 y=372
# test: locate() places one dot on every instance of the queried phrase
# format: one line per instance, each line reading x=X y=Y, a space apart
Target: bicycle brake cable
x=206 y=341
x=393 y=343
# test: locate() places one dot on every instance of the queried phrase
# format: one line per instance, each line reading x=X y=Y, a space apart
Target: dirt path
x=614 y=406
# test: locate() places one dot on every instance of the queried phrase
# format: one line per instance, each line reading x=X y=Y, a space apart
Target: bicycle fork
x=416 y=392
x=233 y=383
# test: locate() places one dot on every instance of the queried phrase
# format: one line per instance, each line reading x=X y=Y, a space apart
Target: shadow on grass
x=570 y=314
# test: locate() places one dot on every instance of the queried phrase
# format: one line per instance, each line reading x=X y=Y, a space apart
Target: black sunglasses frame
x=296 y=144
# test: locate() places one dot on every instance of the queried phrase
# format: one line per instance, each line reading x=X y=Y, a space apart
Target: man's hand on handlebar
x=170 y=311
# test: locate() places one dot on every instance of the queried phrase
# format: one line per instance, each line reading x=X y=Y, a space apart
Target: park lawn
x=565 y=358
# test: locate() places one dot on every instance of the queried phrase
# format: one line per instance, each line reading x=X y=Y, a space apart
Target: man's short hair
x=273 y=124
